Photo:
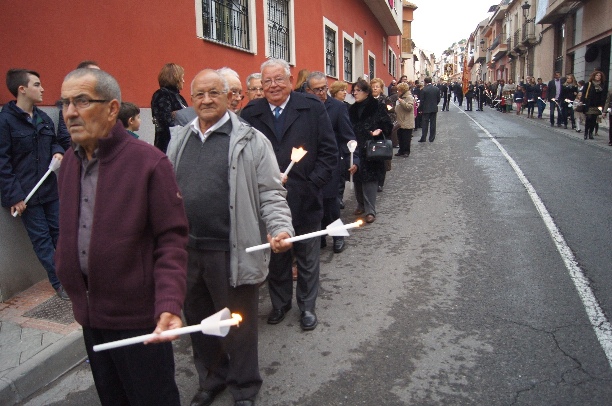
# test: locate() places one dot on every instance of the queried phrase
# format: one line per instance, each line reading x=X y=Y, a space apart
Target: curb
x=42 y=369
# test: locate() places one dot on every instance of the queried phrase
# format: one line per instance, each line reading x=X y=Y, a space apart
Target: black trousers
x=136 y=375
x=331 y=212
x=468 y=101
x=280 y=279
x=405 y=136
x=429 y=123
x=230 y=361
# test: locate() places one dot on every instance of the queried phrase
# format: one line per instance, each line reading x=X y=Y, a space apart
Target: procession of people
x=222 y=177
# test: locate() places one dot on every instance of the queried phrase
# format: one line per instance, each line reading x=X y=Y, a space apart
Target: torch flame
x=237 y=317
x=359 y=223
x=297 y=154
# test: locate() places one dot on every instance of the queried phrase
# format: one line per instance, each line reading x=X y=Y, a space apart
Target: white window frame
x=350 y=39
x=393 y=64
x=373 y=56
x=252 y=28
x=384 y=52
x=328 y=24
x=292 y=60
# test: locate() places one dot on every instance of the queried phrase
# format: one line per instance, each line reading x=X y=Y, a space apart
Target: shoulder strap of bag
x=586 y=96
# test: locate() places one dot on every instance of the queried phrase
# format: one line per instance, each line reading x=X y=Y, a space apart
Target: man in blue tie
x=292 y=120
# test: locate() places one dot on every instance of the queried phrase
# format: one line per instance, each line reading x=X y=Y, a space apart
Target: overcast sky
x=439 y=23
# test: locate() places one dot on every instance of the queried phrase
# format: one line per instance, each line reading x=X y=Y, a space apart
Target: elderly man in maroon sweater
x=121 y=253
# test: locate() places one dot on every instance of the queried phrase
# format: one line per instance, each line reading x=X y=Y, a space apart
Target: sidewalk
x=39 y=341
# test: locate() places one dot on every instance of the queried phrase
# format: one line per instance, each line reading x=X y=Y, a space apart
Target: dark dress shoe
x=308 y=320
x=205 y=397
x=380 y=189
x=61 y=293
x=339 y=245
x=422 y=140
x=278 y=315
x=246 y=402
x=370 y=218
x=323 y=242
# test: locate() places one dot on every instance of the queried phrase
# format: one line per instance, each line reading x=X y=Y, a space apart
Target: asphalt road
x=457 y=294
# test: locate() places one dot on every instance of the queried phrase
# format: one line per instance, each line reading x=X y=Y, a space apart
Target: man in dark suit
x=553 y=94
x=291 y=120
x=430 y=97
x=444 y=91
x=459 y=92
x=316 y=83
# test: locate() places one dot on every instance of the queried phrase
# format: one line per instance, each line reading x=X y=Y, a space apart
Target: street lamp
x=526 y=8
x=481 y=43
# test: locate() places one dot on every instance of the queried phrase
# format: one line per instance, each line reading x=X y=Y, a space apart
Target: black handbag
x=379 y=149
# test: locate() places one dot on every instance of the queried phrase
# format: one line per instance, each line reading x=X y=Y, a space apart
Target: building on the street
x=538 y=37
x=133 y=39
x=407 y=56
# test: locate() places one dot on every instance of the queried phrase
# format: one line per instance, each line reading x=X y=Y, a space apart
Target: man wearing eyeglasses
x=292 y=120
x=121 y=253
x=316 y=83
x=254 y=86
x=27 y=144
x=233 y=198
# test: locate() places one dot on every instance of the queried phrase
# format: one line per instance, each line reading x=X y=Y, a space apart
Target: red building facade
x=133 y=39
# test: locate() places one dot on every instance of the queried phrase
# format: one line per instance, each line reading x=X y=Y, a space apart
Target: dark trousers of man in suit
x=445 y=102
x=554 y=108
x=460 y=98
x=280 y=279
x=429 y=123
x=231 y=360
x=468 y=103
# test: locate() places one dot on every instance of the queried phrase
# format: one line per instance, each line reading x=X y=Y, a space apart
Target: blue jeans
x=541 y=106
x=42 y=224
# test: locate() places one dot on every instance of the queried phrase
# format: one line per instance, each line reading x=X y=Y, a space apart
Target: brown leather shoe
x=370 y=218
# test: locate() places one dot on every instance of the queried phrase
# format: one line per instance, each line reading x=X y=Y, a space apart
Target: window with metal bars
x=226 y=22
x=372 y=66
x=278 y=29
x=330 y=51
x=392 y=62
x=348 y=60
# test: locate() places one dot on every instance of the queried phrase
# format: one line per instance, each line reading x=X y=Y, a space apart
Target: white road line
x=598 y=319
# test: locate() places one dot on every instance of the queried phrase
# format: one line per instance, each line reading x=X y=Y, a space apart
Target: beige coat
x=405 y=111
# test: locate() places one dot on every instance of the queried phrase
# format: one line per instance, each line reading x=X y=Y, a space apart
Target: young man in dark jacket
x=27 y=144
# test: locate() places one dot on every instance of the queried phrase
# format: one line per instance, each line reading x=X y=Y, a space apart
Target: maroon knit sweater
x=137 y=256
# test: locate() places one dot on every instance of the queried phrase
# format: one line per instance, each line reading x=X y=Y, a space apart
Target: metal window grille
x=330 y=51
x=348 y=61
x=227 y=22
x=391 y=63
x=278 y=29
x=372 y=65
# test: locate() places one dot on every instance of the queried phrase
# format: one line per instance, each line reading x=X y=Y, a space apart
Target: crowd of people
x=581 y=104
x=170 y=239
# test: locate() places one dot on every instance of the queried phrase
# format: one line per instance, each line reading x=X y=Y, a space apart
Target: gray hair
x=315 y=75
x=277 y=62
x=106 y=86
x=223 y=80
x=225 y=71
x=251 y=77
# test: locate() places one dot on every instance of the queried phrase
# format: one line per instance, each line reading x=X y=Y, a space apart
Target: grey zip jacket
x=257 y=198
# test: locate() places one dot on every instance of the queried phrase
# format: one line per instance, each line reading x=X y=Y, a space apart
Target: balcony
x=471 y=61
x=386 y=14
x=498 y=48
x=529 y=37
x=481 y=55
x=406 y=47
x=519 y=47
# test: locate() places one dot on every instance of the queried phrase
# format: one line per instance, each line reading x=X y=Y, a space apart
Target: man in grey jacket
x=231 y=186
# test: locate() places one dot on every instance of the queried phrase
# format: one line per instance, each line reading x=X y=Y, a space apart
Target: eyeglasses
x=279 y=81
x=320 y=89
x=213 y=94
x=255 y=89
x=237 y=92
x=79 y=103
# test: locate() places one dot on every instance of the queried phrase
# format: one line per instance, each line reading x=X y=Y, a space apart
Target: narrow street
x=457 y=294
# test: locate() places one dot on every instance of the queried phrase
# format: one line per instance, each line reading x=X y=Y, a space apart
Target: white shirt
x=195 y=126
x=282 y=106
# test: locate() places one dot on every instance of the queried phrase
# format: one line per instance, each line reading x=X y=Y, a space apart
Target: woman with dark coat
x=370 y=119
x=594 y=98
x=166 y=101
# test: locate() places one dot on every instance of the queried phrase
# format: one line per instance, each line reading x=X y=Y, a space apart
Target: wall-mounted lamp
x=526 y=8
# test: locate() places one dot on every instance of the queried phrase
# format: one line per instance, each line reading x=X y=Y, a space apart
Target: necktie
x=278 y=126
